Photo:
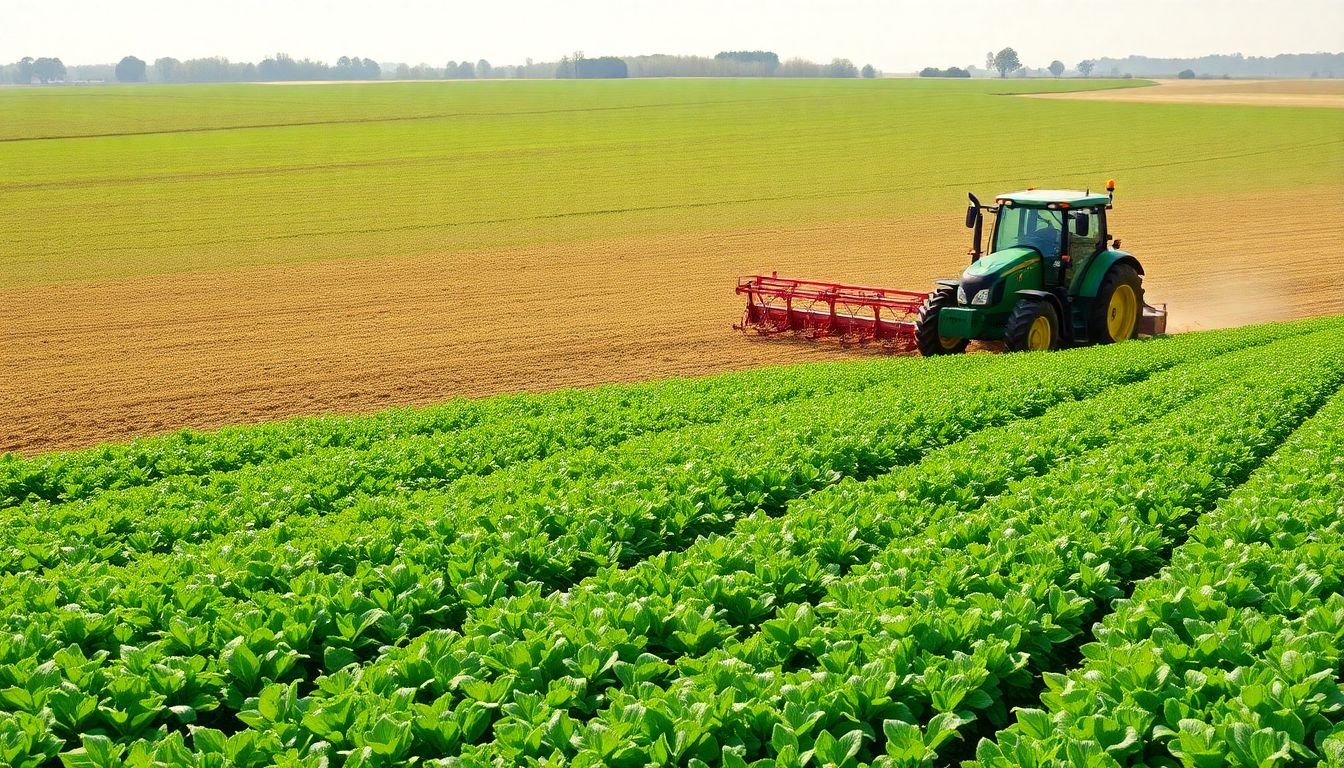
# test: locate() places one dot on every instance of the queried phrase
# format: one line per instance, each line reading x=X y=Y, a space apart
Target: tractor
x=1052 y=277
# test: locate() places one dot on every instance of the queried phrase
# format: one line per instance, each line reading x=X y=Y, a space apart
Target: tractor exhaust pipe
x=974 y=220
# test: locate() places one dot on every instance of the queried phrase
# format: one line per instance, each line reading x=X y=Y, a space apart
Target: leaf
x=96 y=752
x=905 y=742
x=243 y=663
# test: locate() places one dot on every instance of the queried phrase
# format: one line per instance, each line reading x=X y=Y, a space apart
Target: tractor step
x=860 y=313
x=1154 y=321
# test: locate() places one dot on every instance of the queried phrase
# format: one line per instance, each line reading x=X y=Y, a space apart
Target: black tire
x=1098 y=328
x=1018 y=334
x=926 y=327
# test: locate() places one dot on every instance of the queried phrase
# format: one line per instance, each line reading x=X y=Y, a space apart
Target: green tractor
x=1053 y=277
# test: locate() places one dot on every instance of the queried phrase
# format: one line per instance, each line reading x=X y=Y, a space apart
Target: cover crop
x=824 y=566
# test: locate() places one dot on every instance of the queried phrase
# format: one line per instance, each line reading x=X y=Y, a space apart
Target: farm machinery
x=1053 y=276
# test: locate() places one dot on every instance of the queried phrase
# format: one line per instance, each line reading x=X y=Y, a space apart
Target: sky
x=894 y=36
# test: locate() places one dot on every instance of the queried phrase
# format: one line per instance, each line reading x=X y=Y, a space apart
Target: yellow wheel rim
x=1040 y=334
x=1122 y=313
x=949 y=342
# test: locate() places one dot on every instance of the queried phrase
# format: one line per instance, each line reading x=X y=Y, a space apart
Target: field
x=208 y=255
x=1113 y=556
x=1262 y=93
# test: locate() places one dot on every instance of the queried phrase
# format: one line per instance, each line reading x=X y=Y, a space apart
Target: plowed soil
x=97 y=361
x=1260 y=93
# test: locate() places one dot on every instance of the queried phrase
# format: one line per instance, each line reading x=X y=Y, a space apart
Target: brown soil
x=1264 y=93
x=92 y=362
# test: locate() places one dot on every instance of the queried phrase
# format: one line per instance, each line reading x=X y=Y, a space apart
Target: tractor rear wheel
x=926 y=328
x=1033 y=326
x=1118 y=306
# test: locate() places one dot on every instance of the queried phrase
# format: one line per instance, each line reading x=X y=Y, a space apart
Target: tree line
x=1296 y=65
x=1007 y=63
x=282 y=67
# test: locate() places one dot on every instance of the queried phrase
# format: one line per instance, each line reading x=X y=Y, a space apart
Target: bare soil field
x=1262 y=93
x=96 y=361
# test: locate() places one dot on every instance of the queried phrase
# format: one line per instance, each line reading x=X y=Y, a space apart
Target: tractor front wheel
x=1118 y=306
x=1033 y=326
x=926 y=328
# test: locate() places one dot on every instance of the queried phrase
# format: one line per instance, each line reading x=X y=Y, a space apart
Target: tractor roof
x=1040 y=198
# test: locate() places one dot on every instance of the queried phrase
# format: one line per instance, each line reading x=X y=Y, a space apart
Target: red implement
x=854 y=312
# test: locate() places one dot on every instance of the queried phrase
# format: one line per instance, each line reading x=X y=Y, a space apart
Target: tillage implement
x=1053 y=277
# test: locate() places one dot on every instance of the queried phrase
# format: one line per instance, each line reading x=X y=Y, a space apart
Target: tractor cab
x=1053 y=276
x=1065 y=228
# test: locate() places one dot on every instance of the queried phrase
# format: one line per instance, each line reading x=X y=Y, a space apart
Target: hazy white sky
x=893 y=35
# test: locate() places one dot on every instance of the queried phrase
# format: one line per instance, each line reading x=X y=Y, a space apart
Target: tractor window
x=1084 y=246
x=1035 y=227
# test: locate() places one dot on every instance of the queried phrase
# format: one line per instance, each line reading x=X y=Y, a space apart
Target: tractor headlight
x=981 y=297
x=961 y=295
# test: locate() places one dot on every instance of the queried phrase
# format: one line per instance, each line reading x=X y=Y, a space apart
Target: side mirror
x=1081 y=224
x=972 y=215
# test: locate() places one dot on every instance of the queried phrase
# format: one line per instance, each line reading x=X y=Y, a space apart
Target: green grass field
x=152 y=180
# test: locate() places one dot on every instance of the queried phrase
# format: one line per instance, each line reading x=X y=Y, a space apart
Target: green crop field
x=1114 y=556
x=112 y=183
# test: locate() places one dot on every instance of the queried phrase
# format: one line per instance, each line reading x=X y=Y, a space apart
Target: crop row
x=238 y=620
x=1232 y=655
x=474 y=679
x=73 y=476
x=117 y=526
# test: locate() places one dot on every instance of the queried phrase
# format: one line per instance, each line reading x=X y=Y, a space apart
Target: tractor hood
x=987 y=275
x=995 y=264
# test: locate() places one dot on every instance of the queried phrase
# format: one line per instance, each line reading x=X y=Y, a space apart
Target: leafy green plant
x=760 y=570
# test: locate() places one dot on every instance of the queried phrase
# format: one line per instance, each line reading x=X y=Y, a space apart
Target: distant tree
x=483 y=68
x=355 y=68
x=48 y=70
x=403 y=72
x=769 y=59
x=799 y=67
x=130 y=70
x=23 y=70
x=603 y=67
x=1186 y=74
x=842 y=68
x=868 y=71
x=1007 y=61
x=949 y=72
x=1056 y=67
x=989 y=61
x=282 y=68
x=1085 y=67
x=167 y=69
